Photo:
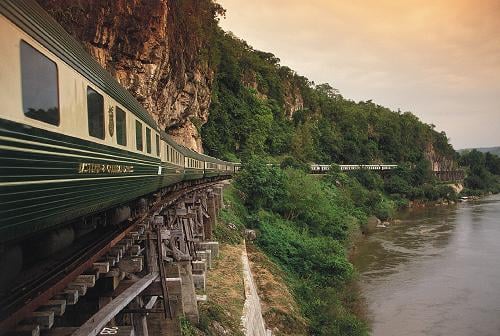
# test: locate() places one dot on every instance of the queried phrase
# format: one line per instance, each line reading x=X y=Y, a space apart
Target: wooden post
x=211 y=223
x=139 y=320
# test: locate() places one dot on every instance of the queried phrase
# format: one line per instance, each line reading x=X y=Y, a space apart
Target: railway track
x=62 y=277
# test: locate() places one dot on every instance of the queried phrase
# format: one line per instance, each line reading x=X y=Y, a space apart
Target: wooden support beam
x=126 y=243
x=57 y=306
x=134 y=250
x=45 y=319
x=101 y=267
x=150 y=304
x=143 y=311
x=134 y=235
x=80 y=287
x=88 y=280
x=116 y=251
x=92 y=271
x=70 y=295
x=114 y=272
x=174 y=286
x=26 y=330
x=141 y=228
x=131 y=265
x=111 y=260
x=97 y=322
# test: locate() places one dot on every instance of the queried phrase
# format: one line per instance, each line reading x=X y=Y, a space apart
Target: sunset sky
x=439 y=59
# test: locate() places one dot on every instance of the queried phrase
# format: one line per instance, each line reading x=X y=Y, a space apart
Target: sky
x=439 y=59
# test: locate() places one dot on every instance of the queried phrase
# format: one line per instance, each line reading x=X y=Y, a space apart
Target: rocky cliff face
x=155 y=49
x=293 y=100
x=292 y=97
x=439 y=162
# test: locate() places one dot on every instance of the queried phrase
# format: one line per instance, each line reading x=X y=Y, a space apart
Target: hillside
x=261 y=107
x=492 y=150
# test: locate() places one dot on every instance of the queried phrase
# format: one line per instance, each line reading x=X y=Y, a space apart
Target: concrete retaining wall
x=252 y=320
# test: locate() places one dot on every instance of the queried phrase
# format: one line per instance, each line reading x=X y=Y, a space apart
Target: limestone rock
x=250 y=235
x=152 y=49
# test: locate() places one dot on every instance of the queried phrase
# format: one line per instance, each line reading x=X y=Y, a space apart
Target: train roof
x=35 y=21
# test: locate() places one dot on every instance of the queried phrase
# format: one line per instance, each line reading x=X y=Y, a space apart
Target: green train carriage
x=73 y=142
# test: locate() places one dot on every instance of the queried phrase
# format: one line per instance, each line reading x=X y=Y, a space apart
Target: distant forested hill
x=492 y=150
x=261 y=107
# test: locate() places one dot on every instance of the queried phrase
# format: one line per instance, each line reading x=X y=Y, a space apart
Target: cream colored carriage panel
x=163 y=147
x=10 y=74
x=10 y=71
x=71 y=102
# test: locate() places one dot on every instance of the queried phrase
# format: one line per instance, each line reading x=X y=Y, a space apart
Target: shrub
x=261 y=185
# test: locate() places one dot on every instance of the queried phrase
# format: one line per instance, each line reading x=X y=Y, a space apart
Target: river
x=437 y=272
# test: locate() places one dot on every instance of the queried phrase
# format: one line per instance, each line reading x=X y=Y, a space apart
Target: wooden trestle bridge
x=136 y=282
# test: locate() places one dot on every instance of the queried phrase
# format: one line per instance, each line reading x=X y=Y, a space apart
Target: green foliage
x=187 y=328
x=261 y=185
x=483 y=172
x=212 y=312
x=319 y=258
x=416 y=183
x=369 y=179
x=492 y=163
x=314 y=206
x=292 y=162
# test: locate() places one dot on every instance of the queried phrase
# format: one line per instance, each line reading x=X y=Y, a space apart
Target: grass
x=225 y=292
x=280 y=310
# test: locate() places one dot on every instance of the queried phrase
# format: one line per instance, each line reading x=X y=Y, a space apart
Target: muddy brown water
x=437 y=272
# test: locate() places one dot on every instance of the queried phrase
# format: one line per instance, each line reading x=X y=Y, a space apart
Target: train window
x=138 y=135
x=40 y=90
x=95 y=109
x=121 y=127
x=148 y=140
x=157 y=145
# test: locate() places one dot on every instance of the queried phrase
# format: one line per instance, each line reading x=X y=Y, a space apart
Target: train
x=76 y=148
x=323 y=168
